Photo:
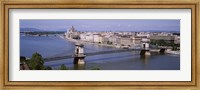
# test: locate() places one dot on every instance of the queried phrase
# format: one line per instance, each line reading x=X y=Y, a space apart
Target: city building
x=125 y=39
x=169 y=39
x=72 y=33
x=177 y=39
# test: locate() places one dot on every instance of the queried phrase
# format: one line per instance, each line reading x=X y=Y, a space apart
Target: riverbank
x=114 y=46
x=173 y=52
x=84 y=42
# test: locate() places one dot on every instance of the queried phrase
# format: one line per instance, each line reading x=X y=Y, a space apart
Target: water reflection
x=79 y=67
x=144 y=59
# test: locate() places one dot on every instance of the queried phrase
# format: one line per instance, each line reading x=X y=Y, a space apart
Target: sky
x=103 y=24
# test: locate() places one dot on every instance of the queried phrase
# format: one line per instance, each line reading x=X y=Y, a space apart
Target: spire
x=73 y=30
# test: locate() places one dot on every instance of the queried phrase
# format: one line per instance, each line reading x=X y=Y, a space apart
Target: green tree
x=22 y=59
x=48 y=68
x=153 y=42
x=36 y=62
x=63 y=67
x=95 y=68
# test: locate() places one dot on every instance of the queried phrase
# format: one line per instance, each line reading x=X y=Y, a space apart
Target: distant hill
x=39 y=30
x=64 y=30
x=29 y=29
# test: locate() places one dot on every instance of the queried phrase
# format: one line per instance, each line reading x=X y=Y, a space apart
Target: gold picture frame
x=6 y=5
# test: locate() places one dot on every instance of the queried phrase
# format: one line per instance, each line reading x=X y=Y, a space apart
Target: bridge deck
x=91 y=54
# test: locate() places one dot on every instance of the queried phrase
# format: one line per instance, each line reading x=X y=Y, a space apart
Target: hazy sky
x=103 y=25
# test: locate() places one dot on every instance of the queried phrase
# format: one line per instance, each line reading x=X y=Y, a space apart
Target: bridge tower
x=145 y=49
x=79 y=54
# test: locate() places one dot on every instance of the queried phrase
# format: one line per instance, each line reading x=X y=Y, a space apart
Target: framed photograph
x=100 y=44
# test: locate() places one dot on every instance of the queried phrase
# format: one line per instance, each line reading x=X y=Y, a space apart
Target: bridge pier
x=162 y=51
x=79 y=60
x=145 y=52
x=79 y=54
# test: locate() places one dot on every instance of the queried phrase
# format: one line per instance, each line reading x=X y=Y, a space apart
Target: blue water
x=55 y=46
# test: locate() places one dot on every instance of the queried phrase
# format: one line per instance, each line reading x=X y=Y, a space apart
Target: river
x=55 y=46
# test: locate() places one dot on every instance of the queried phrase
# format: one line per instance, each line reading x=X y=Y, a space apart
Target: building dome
x=72 y=29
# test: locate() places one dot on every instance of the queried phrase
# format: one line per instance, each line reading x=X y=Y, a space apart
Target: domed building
x=72 y=34
x=71 y=30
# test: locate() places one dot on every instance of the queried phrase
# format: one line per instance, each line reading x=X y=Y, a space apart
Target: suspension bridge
x=89 y=54
x=102 y=52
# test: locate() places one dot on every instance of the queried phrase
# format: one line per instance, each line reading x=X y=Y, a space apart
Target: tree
x=48 y=68
x=22 y=59
x=95 y=68
x=153 y=42
x=36 y=62
x=63 y=67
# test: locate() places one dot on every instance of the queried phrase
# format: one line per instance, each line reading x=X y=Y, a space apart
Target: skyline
x=103 y=25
